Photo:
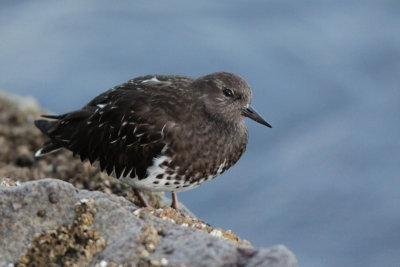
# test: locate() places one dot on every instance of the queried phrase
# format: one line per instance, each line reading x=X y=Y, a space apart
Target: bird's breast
x=204 y=152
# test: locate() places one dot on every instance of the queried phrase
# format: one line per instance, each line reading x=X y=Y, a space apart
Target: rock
x=51 y=222
x=21 y=102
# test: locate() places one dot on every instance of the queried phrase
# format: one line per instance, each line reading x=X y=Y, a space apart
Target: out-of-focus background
x=325 y=181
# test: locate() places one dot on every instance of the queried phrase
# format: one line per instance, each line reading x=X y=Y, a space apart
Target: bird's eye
x=228 y=92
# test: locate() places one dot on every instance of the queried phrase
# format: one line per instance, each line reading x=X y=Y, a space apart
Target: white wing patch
x=221 y=167
x=40 y=154
x=157 y=178
x=158 y=167
x=154 y=79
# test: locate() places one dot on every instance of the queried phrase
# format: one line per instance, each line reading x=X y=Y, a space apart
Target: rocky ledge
x=92 y=220
x=50 y=222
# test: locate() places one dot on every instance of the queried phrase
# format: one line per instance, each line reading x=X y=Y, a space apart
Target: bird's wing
x=114 y=129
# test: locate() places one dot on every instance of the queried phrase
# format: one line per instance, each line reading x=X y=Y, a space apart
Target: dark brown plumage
x=159 y=132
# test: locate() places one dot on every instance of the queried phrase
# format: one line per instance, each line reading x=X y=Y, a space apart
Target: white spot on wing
x=162 y=130
x=164 y=149
x=221 y=167
x=38 y=153
x=154 y=79
x=101 y=105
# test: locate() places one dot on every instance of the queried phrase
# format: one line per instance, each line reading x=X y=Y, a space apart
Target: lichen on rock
x=71 y=245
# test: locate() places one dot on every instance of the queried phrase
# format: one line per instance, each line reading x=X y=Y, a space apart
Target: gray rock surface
x=111 y=230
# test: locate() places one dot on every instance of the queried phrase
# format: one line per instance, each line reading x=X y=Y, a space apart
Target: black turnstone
x=159 y=132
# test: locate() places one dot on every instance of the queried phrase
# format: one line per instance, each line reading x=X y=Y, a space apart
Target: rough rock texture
x=48 y=222
x=75 y=244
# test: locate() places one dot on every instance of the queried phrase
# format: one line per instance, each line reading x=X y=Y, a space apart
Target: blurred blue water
x=325 y=181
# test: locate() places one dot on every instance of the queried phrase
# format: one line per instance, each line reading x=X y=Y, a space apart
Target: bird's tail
x=60 y=129
x=45 y=126
x=48 y=147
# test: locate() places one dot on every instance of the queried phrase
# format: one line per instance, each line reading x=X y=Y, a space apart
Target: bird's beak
x=251 y=113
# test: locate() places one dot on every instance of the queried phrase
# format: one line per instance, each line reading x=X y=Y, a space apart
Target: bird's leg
x=174 y=203
x=141 y=198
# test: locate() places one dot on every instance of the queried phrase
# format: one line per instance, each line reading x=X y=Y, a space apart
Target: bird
x=159 y=132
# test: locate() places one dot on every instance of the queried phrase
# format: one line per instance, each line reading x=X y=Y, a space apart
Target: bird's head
x=227 y=96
